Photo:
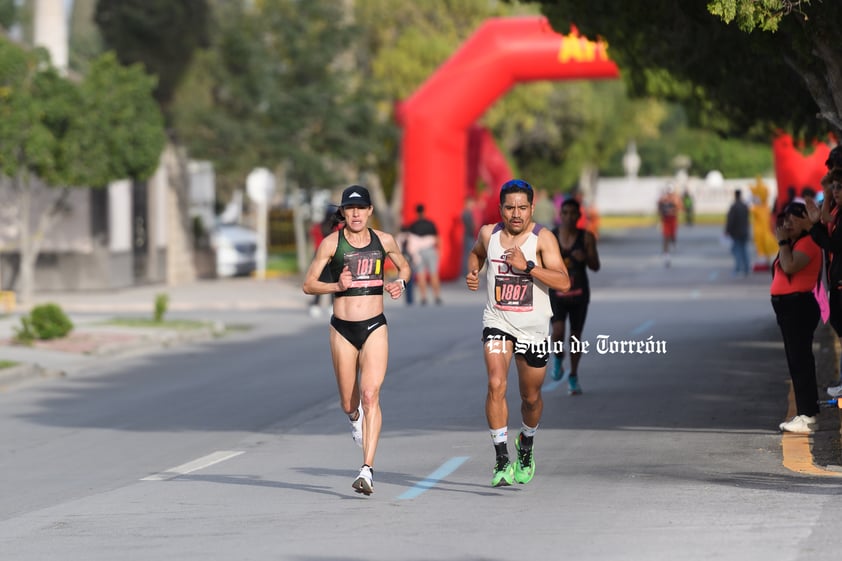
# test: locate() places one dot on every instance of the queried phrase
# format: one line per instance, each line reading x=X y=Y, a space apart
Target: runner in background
x=669 y=207
x=579 y=251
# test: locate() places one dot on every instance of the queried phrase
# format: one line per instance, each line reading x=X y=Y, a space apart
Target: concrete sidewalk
x=242 y=293
x=93 y=338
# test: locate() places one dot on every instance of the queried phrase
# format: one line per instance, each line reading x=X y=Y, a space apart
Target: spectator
x=423 y=246
x=795 y=271
x=736 y=228
x=828 y=235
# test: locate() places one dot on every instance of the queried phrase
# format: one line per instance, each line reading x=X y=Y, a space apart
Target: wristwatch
x=529 y=266
x=782 y=243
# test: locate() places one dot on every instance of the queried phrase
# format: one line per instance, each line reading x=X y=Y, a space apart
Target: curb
x=14 y=375
x=147 y=341
x=826 y=441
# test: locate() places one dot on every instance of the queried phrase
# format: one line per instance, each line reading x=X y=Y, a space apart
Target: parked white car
x=236 y=250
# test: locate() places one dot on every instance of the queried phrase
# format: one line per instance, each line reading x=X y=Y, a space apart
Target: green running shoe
x=525 y=465
x=504 y=472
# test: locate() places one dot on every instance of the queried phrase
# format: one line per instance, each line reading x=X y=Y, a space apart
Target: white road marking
x=195 y=465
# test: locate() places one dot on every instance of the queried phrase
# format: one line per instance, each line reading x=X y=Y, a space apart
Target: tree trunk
x=27 y=259
x=180 y=263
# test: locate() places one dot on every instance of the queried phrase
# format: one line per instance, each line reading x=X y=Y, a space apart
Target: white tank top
x=517 y=304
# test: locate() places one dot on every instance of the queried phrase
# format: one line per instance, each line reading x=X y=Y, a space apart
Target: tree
x=67 y=135
x=278 y=83
x=743 y=67
x=85 y=40
x=8 y=14
x=160 y=34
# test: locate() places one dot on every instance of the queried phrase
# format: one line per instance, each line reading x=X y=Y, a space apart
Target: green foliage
x=86 y=42
x=106 y=128
x=755 y=14
x=8 y=13
x=34 y=113
x=161 y=34
x=25 y=334
x=117 y=99
x=707 y=151
x=162 y=301
x=68 y=134
x=739 y=79
x=44 y=322
x=279 y=82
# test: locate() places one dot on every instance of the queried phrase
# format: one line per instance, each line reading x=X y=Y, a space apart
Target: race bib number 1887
x=513 y=294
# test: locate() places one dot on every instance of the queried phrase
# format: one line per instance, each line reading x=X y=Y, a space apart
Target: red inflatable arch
x=795 y=170
x=437 y=118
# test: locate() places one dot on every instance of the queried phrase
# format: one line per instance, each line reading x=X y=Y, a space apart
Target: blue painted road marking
x=443 y=471
x=645 y=326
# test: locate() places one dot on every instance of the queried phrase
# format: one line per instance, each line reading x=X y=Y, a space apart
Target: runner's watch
x=529 y=266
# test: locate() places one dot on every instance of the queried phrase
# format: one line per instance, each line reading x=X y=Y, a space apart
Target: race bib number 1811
x=366 y=268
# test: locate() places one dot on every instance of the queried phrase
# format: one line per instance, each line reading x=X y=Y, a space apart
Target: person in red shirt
x=796 y=271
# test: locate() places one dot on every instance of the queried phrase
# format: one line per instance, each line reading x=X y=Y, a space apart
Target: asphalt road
x=236 y=448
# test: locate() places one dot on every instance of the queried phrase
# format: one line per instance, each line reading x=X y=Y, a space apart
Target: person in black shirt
x=423 y=246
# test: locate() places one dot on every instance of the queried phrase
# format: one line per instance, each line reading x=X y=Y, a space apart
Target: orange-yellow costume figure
x=765 y=242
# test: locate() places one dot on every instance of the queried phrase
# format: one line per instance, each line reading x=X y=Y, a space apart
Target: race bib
x=513 y=293
x=366 y=268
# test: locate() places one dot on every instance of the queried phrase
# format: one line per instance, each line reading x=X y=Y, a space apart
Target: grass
x=178 y=324
x=649 y=220
x=7 y=364
x=285 y=263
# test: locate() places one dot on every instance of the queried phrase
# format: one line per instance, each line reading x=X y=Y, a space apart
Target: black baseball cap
x=355 y=195
x=797 y=208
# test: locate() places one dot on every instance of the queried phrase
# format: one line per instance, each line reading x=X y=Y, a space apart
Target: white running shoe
x=800 y=424
x=357 y=427
x=363 y=483
x=835 y=391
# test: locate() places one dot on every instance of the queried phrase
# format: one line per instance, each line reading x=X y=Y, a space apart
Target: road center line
x=195 y=465
x=443 y=471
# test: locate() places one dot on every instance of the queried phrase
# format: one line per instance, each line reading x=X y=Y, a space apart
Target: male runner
x=523 y=262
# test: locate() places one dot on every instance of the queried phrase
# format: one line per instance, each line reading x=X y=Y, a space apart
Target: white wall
x=618 y=196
